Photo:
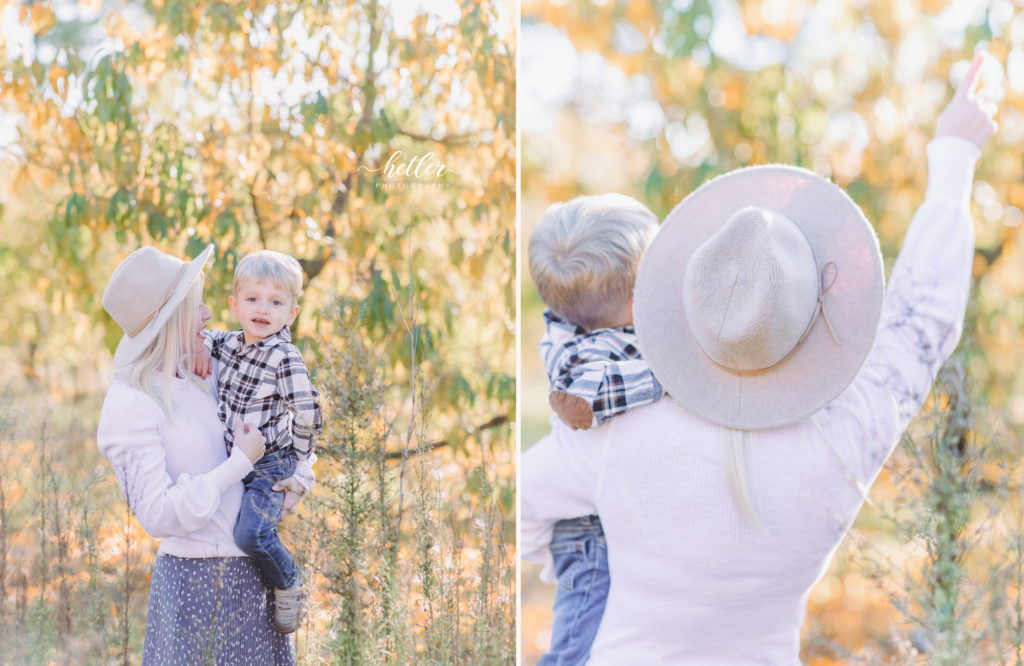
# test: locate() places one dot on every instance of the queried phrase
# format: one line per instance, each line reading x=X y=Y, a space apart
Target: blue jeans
x=581 y=564
x=256 y=529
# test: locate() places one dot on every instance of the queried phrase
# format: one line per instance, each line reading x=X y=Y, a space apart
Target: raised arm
x=927 y=294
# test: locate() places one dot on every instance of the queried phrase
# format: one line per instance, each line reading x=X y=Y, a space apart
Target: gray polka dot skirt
x=211 y=611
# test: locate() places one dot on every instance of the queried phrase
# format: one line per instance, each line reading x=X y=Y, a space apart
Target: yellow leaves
x=1016 y=194
x=156 y=44
x=641 y=16
x=39 y=16
x=58 y=80
x=733 y=93
x=156 y=69
x=780 y=19
x=120 y=28
x=303 y=183
x=259 y=147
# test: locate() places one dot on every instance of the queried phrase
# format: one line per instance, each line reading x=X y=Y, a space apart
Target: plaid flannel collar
x=236 y=342
x=579 y=331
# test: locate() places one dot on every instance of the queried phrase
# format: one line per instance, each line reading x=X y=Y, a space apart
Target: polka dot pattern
x=211 y=611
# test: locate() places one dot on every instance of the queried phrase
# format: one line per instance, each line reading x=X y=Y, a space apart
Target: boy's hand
x=572 y=409
x=202 y=363
x=293 y=492
x=969 y=114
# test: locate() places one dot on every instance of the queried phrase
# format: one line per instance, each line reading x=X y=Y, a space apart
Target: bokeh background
x=257 y=124
x=651 y=99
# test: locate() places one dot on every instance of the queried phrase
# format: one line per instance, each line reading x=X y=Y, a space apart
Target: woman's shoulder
x=129 y=419
x=122 y=392
x=124 y=401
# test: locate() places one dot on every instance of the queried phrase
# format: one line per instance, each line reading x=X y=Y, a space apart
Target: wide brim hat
x=142 y=294
x=836 y=341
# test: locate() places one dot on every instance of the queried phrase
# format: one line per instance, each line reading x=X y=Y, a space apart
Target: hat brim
x=819 y=369
x=129 y=348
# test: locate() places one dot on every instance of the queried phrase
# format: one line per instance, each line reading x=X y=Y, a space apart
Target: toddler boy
x=263 y=381
x=584 y=255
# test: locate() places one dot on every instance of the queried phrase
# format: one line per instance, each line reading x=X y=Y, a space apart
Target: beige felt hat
x=143 y=292
x=758 y=301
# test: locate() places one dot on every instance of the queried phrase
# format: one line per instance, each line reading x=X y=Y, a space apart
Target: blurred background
x=373 y=140
x=651 y=99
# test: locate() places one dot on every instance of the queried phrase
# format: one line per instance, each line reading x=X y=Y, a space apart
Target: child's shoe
x=289 y=608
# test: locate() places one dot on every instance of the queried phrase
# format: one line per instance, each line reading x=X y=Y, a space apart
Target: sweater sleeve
x=130 y=436
x=558 y=479
x=922 y=314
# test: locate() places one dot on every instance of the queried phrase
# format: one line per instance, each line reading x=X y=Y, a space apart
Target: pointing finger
x=971 y=78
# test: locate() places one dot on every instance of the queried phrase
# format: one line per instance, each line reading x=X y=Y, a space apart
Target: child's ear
x=294 y=314
x=232 y=304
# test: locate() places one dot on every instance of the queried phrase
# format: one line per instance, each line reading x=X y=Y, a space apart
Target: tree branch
x=256 y=216
x=501 y=419
x=448 y=140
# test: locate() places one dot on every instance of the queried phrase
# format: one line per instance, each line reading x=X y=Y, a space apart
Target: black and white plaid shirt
x=604 y=366
x=266 y=384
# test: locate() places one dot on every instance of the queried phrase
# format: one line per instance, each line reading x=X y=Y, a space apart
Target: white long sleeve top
x=692 y=581
x=180 y=482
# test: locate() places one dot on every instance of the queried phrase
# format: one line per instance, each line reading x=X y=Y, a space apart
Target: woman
x=159 y=428
x=759 y=306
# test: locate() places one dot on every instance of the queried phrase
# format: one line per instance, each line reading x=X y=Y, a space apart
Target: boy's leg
x=581 y=564
x=256 y=529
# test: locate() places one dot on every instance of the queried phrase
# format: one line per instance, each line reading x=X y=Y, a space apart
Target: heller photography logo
x=401 y=171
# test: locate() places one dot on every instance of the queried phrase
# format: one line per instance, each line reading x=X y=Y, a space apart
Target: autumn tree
x=374 y=141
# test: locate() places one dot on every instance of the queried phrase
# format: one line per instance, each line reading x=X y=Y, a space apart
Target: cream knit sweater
x=692 y=581
x=180 y=483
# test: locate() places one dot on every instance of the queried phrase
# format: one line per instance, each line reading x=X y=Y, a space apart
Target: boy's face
x=262 y=309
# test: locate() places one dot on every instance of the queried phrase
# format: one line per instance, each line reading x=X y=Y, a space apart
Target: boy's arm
x=202 y=361
x=591 y=393
x=214 y=340
x=558 y=335
x=303 y=401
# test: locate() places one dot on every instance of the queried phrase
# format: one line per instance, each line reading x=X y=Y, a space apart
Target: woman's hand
x=969 y=114
x=250 y=440
x=293 y=492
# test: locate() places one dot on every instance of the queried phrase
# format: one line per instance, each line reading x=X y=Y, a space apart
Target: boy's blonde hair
x=584 y=255
x=276 y=268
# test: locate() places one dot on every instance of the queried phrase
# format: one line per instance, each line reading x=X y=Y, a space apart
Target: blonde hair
x=279 y=269
x=169 y=352
x=736 y=469
x=584 y=255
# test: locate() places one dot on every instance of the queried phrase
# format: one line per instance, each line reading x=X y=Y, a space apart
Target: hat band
x=819 y=311
x=163 y=302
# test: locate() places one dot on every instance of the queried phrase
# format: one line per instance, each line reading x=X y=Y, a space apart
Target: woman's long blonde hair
x=169 y=353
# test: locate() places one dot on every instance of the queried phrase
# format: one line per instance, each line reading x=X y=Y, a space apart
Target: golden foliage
x=253 y=125
x=851 y=92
